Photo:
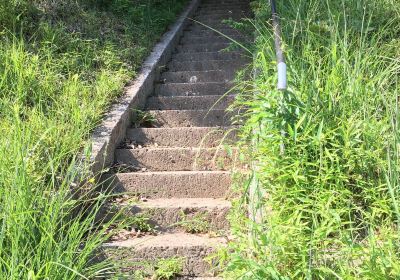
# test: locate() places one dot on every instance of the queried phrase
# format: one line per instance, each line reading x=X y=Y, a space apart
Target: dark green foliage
x=330 y=198
x=61 y=64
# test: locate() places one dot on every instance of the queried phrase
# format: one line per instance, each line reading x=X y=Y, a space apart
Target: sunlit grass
x=330 y=202
x=61 y=64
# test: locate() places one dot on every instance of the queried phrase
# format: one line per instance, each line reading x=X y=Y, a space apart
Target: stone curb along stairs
x=169 y=157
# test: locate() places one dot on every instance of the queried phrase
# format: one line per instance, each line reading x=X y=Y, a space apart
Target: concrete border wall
x=112 y=130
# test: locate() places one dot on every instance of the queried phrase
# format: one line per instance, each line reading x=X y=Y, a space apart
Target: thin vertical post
x=280 y=58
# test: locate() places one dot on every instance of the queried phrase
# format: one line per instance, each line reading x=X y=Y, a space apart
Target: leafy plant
x=326 y=205
x=166 y=269
x=143 y=119
x=197 y=223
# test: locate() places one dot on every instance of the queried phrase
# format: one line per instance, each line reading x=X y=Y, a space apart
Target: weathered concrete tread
x=178 y=184
x=171 y=203
x=218 y=76
x=194 y=248
x=208 y=56
x=205 y=102
x=193 y=89
x=167 y=213
x=181 y=136
x=168 y=240
x=175 y=159
x=192 y=118
x=200 y=65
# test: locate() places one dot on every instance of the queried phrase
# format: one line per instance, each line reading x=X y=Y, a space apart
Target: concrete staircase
x=173 y=161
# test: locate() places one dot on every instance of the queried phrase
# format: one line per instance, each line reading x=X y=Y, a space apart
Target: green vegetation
x=143 y=119
x=166 y=269
x=328 y=202
x=197 y=223
x=61 y=64
x=139 y=222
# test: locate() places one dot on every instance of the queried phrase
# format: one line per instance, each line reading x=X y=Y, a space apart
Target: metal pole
x=280 y=58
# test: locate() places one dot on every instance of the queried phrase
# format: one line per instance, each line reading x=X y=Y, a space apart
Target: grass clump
x=61 y=64
x=198 y=223
x=328 y=203
x=166 y=269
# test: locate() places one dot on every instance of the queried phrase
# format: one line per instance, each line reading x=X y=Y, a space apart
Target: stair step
x=218 y=39
x=219 y=28
x=190 y=89
x=224 y=3
x=213 y=21
x=197 y=76
x=205 y=102
x=229 y=65
x=207 y=32
x=208 y=56
x=215 y=47
x=175 y=159
x=180 y=136
x=209 y=24
x=234 y=11
x=193 y=248
x=218 y=18
x=244 y=6
x=189 y=118
x=178 y=184
x=167 y=214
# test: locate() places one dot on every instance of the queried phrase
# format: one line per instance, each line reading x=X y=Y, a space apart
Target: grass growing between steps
x=329 y=201
x=61 y=64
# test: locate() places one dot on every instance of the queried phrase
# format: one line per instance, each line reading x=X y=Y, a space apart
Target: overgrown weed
x=61 y=64
x=328 y=205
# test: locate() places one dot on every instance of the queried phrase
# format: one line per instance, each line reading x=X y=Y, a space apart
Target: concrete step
x=214 y=18
x=222 y=3
x=230 y=6
x=192 y=248
x=215 y=47
x=193 y=77
x=208 y=56
x=189 y=118
x=187 y=36
x=222 y=10
x=230 y=65
x=175 y=159
x=218 y=39
x=214 y=15
x=221 y=28
x=207 y=32
x=205 y=102
x=206 y=24
x=212 y=26
x=190 y=89
x=186 y=137
x=178 y=184
x=166 y=214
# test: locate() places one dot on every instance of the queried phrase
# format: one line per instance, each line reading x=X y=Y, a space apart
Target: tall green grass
x=328 y=206
x=61 y=64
